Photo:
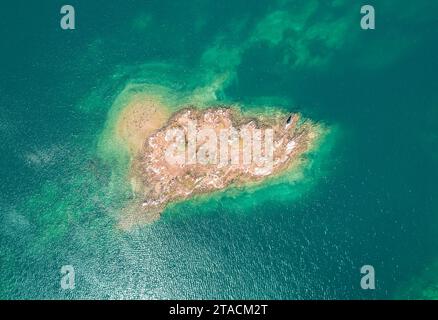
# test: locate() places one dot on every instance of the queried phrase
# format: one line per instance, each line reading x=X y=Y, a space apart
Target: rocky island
x=194 y=151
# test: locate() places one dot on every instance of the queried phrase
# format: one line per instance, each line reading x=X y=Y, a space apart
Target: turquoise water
x=367 y=195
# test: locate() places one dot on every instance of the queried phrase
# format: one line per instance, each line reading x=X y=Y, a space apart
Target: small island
x=199 y=150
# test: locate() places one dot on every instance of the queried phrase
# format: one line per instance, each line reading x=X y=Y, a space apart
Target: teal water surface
x=368 y=194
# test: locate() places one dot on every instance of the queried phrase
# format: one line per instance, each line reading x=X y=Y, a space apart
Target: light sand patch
x=139 y=119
